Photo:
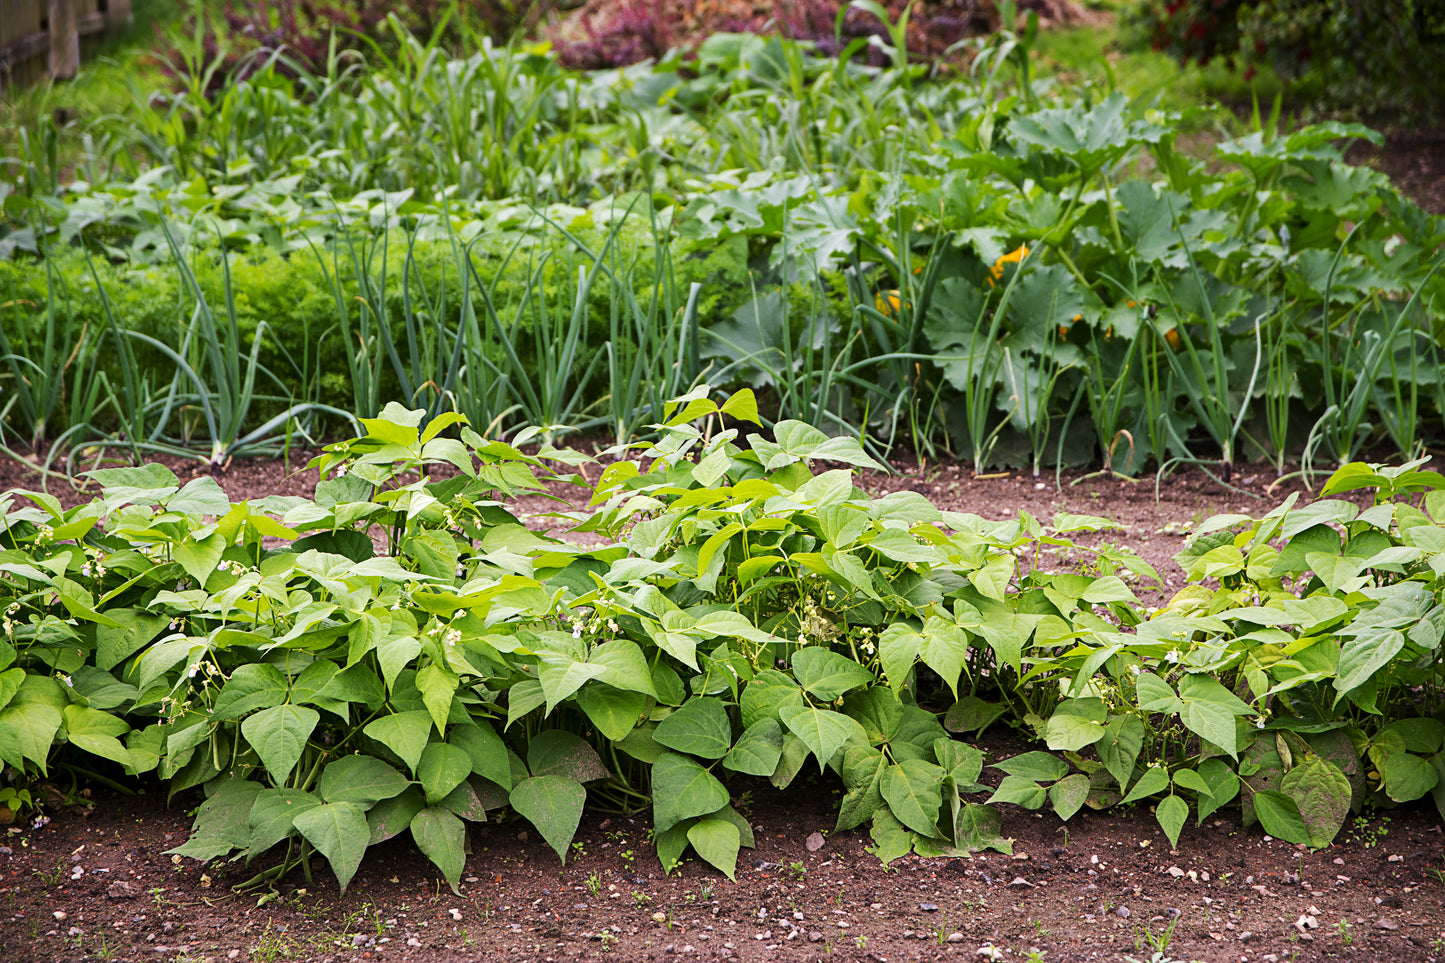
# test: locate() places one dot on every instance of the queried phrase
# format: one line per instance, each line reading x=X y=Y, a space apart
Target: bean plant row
x=404 y=654
x=970 y=261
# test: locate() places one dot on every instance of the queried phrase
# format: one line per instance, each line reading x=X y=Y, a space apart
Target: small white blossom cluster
x=8 y=623
x=340 y=470
x=173 y=709
x=204 y=669
x=235 y=568
x=815 y=623
x=591 y=626
x=44 y=535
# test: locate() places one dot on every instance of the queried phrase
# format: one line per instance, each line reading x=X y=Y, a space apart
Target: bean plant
x=403 y=653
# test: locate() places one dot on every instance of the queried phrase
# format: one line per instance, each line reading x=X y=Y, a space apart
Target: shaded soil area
x=1415 y=162
x=95 y=883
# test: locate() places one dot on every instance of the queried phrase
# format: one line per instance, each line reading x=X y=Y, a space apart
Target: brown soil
x=95 y=883
x=601 y=33
x=1415 y=161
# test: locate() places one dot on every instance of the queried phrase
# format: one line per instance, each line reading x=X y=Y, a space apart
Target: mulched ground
x=95 y=884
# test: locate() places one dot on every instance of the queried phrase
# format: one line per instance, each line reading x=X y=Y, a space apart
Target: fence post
x=117 y=16
x=64 y=40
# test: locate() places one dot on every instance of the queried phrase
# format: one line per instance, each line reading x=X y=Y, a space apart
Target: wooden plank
x=64 y=40
x=117 y=15
x=27 y=50
x=18 y=20
x=19 y=51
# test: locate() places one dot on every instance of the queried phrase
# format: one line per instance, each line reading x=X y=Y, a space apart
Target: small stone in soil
x=1388 y=925
x=815 y=842
x=1123 y=912
x=928 y=907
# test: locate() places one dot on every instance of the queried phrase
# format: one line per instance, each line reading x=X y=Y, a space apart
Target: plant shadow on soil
x=95 y=883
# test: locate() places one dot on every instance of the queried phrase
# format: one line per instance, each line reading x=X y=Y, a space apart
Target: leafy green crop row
x=404 y=654
x=981 y=263
x=345 y=327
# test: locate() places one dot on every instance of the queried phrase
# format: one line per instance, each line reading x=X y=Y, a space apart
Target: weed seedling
x=1345 y=932
x=54 y=876
x=640 y=898
x=1158 y=942
x=594 y=885
x=271 y=947
x=1368 y=835
x=102 y=950
x=797 y=871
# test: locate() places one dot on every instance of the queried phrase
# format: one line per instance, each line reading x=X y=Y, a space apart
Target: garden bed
x=1099 y=887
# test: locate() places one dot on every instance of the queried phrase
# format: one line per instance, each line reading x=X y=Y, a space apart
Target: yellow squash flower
x=889 y=303
x=1015 y=256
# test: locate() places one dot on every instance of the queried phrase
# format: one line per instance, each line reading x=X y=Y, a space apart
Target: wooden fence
x=40 y=38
